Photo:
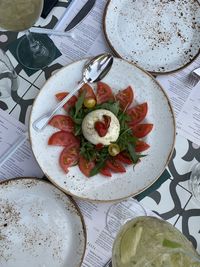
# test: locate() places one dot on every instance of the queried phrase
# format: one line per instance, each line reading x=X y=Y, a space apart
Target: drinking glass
x=149 y=241
x=34 y=51
x=8 y=76
x=194 y=181
x=119 y=214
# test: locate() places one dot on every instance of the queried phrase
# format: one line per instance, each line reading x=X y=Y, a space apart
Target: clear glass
x=194 y=181
x=120 y=213
x=34 y=51
x=152 y=242
x=8 y=76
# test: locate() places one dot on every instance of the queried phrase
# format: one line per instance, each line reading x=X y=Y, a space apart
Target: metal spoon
x=93 y=71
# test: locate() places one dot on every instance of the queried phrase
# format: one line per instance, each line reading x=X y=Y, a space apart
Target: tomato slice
x=137 y=113
x=125 y=97
x=99 y=146
x=106 y=171
x=62 y=122
x=141 y=130
x=104 y=93
x=70 y=103
x=89 y=91
x=63 y=138
x=124 y=157
x=115 y=165
x=68 y=157
x=85 y=166
x=141 y=146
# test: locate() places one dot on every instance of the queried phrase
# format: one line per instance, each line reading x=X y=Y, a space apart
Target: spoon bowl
x=94 y=70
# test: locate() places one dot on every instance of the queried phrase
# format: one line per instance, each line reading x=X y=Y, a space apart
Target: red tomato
x=104 y=93
x=124 y=157
x=141 y=130
x=64 y=139
x=62 y=122
x=107 y=121
x=70 y=103
x=125 y=97
x=68 y=158
x=115 y=165
x=89 y=91
x=141 y=146
x=100 y=128
x=106 y=171
x=137 y=113
x=85 y=166
x=99 y=146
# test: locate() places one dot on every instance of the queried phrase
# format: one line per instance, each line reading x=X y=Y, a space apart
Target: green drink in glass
x=152 y=242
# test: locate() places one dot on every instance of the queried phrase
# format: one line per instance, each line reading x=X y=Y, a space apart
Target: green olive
x=89 y=102
x=113 y=149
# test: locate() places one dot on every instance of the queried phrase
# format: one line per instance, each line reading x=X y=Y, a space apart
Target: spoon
x=93 y=71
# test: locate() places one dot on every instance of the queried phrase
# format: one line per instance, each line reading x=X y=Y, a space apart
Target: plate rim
x=117 y=54
x=79 y=213
x=132 y=194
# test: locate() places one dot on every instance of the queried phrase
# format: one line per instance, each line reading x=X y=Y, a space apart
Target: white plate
x=161 y=139
x=39 y=226
x=159 y=36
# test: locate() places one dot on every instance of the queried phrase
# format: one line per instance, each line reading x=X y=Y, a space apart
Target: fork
x=194 y=77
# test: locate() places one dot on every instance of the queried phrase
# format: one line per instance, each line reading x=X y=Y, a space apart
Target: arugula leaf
x=97 y=168
x=77 y=129
x=132 y=153
x=135 y=157
x=111 y=106
x=79 y=103
x=87 y=150
x=125 y=138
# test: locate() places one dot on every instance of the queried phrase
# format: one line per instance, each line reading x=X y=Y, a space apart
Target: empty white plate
x=39 y=226
x=159 y=36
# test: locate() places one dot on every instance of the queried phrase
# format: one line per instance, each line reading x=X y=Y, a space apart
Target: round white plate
x=159 y=36
x=39 y=226
x=161 y=139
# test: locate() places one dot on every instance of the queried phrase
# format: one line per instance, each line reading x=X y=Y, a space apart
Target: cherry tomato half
x=115 y=165
x=63 y=138
x=141 y=130
x=106 y=171
x=141 y=146
x=137 y=113
x=62 y=122
x=70 y=103
x=125 y=97
x=124 y=157
x=68 y=157
x=85 y=166
x=89 y=91
x=104 y=93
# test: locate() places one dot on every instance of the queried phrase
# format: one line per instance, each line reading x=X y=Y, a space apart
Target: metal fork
x=194 y=77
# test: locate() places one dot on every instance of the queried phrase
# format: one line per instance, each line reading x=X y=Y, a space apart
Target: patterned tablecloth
x=172 y=199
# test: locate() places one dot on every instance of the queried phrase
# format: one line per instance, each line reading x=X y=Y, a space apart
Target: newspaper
x=88 y=35
x=185 y=101
x=16 y=157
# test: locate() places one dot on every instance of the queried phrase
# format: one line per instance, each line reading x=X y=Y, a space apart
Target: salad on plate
x=101 y=132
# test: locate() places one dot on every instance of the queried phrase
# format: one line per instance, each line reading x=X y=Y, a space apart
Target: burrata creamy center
x=89 y=132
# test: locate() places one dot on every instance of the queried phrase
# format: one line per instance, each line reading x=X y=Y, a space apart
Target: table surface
x=173 y=200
